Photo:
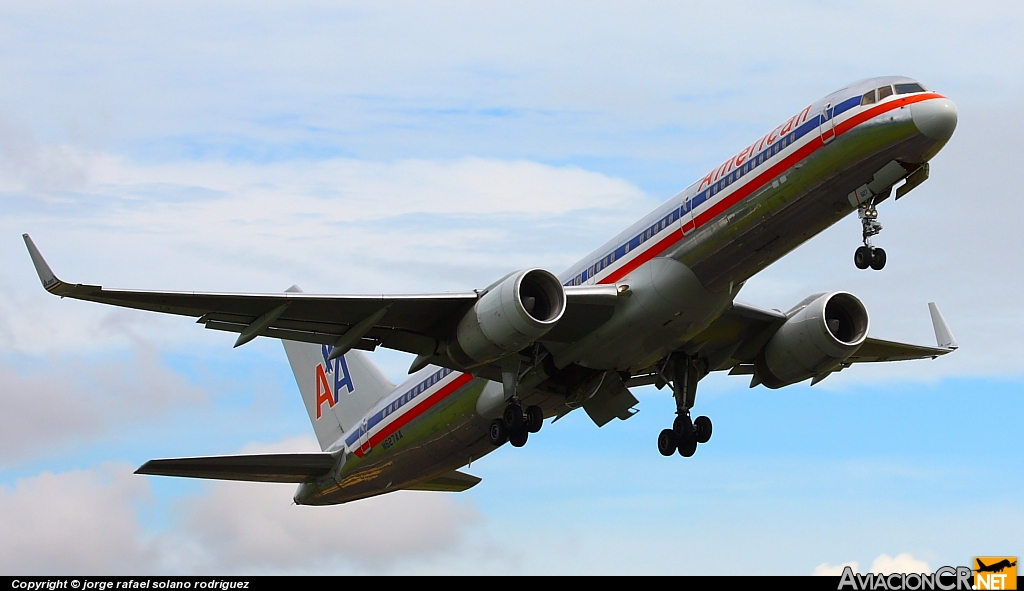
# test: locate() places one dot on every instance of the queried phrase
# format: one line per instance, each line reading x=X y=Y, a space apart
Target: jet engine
x=513 y=313
x=820 y=333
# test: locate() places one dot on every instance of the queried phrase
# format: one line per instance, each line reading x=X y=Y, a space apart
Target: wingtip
x=943 y=336
x=46 y=275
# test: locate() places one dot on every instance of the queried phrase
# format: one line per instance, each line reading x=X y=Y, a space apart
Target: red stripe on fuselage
x=643 y=257
x=884 y=108
x=763 y=179
x=417 y=410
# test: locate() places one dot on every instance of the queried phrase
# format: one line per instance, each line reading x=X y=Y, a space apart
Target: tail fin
x=336 y=393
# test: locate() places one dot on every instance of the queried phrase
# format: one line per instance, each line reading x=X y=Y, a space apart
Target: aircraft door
x=364 y=438
x=686 y=223
x=827 y=127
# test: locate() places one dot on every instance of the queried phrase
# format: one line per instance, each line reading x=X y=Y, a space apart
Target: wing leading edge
x=416 y=323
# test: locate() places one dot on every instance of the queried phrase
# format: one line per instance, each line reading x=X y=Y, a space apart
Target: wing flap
x=453 y=481
x=586 y=308
x=294 y=467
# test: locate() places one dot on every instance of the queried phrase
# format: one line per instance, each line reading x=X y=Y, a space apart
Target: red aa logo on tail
x=342 y=377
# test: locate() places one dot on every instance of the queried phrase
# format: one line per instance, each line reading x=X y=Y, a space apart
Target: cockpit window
x=884 y=91
x=909 y=88
x=868 y=98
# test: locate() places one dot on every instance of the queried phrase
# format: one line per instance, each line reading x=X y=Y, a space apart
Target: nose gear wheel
x=869 y=255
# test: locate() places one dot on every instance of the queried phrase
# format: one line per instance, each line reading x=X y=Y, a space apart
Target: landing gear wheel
x=688 y=447
x=667 y=442
x=496 y=433
x=862 y=257
x=534 y=418
x=683 y=427
x=702 y=426
x=513 y=417
x=877 y=259
x=518 y=438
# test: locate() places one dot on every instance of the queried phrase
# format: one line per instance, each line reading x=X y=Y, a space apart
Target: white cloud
x=901 y=563
x=883 y=565
x=332 y=226
x=88 y=521
x=242 y=526
x=237 y=525
x=81 y=522
x=69 y=401
x=25 y=163
x=828 y=570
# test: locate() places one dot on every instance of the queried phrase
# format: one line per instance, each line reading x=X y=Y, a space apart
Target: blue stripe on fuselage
x=408 y=396
x=752 y=164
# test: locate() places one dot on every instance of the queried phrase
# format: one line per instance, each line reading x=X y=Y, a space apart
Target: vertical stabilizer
x=337 y=392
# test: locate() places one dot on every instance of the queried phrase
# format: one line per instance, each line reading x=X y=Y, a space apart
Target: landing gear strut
x=686 y=433
x=868 y=255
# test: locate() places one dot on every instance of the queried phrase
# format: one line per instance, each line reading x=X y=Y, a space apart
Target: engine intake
x=821 y=332
x=513 y=313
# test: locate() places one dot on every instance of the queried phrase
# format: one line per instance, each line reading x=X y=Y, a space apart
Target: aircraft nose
x=935 y=118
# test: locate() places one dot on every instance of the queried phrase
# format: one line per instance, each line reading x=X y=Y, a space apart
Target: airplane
x=656 y=304
x=993 y=568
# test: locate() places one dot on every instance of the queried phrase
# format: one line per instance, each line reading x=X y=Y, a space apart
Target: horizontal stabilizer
x=453 y=481
x=251 y=468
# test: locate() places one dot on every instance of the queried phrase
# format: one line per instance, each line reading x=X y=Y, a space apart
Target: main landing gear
x=515 y=424
x=868 y=255
x=685 y=433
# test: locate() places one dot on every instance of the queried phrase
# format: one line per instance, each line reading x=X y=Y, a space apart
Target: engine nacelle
x=512 y=314
x=821 y=332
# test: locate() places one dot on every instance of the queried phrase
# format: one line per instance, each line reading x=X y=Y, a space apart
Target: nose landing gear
x=868 y=255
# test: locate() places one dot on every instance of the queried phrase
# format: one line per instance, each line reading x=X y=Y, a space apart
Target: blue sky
x=403 y=147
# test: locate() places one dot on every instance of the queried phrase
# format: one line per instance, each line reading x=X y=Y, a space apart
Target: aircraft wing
x=410 y=323
x=742 y=331
x=299 y=467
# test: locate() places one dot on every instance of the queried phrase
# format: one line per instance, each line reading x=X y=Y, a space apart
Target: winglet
x=46 y=276
x=943 y=336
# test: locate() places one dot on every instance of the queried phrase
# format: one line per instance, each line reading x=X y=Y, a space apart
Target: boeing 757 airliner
x=654 y=305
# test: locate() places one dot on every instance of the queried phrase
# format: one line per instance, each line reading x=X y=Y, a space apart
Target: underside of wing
x=296 y=467
x=739 y=334
x=453 y=481
x=874 y=350
x=736 y=338
x=411 y=323
x=418 y=323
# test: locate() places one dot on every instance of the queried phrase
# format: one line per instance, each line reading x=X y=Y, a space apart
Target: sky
x=418 y=147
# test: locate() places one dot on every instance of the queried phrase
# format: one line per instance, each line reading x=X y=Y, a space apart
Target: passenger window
x=908 y=88
x=884 y=92
x=868 y=98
